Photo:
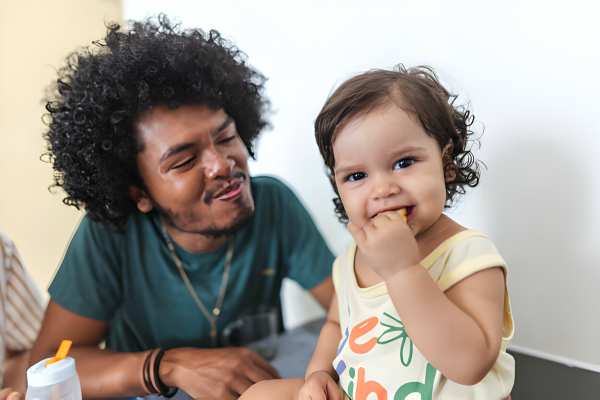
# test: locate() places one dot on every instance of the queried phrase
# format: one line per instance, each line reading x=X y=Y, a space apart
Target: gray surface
x=295 y=348
x=538 y=379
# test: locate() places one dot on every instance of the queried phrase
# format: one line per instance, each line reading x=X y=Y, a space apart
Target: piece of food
x=403 y=214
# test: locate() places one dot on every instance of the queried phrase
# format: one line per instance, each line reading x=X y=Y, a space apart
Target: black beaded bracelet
x=163 y=389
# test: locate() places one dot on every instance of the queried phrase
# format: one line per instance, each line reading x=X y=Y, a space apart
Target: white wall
x=530 y=70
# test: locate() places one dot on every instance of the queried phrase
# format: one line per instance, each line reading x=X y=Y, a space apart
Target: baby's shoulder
x=464 y=245
x=462 y=255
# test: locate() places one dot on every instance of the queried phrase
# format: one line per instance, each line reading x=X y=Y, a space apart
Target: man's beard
x=170 y=218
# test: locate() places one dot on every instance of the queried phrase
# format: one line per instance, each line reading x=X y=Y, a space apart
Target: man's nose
x=216 y=164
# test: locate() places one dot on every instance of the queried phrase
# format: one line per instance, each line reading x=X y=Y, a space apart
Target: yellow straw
x=61 y=353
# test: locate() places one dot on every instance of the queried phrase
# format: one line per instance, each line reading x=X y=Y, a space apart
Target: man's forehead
x=168 y=126
x=193 y=114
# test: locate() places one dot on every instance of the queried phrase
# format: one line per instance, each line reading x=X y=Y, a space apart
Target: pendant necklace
x=216 y=311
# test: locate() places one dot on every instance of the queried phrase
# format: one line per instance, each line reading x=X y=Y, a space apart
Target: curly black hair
x=104 y=88
x=418 y=91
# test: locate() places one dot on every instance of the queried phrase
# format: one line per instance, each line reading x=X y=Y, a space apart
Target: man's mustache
x=209 y=193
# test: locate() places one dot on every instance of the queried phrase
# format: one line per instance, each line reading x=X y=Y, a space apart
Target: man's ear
x=141 y=199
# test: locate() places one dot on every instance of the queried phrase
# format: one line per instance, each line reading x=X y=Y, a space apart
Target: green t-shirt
x=129 y=279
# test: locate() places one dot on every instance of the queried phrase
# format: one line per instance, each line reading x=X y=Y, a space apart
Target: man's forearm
x=323 y=293
x=109 y=374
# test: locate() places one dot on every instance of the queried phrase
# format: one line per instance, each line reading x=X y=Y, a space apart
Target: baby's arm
x=320 y=377
x=459 y=331
x=329 y=338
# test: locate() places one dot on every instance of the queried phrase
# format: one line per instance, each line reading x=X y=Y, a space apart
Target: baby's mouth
x=409 y=210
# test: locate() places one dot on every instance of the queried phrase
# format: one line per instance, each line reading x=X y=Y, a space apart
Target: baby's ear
x=448 y=163
x=447 y=151
x=141 y=199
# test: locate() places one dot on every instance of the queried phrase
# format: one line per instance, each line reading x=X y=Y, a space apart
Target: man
x=21 y=313
x=151 y=133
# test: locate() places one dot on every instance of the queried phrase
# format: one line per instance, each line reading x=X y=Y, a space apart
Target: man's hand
x=10 y=394
x=219 y=374
x=386 y=242
x=319 y=386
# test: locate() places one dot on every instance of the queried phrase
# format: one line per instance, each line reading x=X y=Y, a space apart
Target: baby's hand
x=319 y=386
x=386 y=243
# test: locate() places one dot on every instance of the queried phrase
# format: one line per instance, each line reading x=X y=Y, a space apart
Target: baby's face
x=384 y=160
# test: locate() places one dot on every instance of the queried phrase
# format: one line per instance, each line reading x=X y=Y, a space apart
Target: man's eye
x=355 y=176
x=226 y=139
x=404 y=163
x=185 y=163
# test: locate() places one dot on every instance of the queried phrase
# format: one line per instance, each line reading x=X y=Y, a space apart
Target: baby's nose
x=386 y=189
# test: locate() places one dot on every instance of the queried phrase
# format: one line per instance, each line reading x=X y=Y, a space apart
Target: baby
x=421 y=305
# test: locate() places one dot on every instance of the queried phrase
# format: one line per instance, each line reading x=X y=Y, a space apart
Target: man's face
x=195 y=169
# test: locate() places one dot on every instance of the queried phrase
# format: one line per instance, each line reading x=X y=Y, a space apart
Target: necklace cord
x=216 y=311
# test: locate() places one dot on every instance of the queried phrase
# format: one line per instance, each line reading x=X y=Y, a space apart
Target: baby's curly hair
x=417 y=91
x=104 y=88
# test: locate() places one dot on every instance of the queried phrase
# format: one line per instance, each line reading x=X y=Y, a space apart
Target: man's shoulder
x=101 y=246
x=89 y=227
x=273 y=193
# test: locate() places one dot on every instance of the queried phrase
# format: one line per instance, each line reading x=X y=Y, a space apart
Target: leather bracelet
x=146 y=374
x=163 y=390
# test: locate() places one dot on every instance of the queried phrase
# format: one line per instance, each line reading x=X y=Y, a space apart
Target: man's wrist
x=168 y=368
x=163 y=389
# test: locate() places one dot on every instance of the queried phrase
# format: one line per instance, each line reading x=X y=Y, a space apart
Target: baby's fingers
x=333 y=390
x=358 y=234
x=311 y=394
x=313 y=390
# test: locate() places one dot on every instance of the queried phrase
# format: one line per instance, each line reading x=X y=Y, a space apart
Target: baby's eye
x=355 y=176
x=404 y=163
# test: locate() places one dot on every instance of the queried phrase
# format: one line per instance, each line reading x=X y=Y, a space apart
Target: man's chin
x=226 y=219
x=231 y=228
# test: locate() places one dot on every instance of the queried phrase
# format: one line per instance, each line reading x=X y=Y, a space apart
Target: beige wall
x=35 y=37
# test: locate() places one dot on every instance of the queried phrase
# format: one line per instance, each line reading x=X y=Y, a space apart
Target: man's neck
x=195 y=242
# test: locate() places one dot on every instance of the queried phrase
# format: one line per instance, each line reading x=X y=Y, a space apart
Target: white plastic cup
x=57 y=381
